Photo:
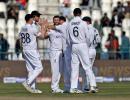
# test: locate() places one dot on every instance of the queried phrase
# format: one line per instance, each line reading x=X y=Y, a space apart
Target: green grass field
x=107 y=91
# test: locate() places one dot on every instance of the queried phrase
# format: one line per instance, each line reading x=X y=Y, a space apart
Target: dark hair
x=35 y=13
x=77 y=12
x=105 y=14
x=28 y=17
x=62 y=18
x=56 y=16
x=123 y=33
x=112 y=31
x=87 y=19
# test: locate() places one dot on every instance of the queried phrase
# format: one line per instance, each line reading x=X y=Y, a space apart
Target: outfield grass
x=107 y=91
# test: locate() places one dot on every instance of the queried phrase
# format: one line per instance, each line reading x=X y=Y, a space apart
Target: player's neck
x=77 y=16
x=28 y=23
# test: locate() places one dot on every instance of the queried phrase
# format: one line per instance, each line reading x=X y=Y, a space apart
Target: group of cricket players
x=72 y=45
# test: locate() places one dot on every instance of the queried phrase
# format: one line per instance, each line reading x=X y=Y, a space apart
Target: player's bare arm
x=43 y=24
x=51 y=26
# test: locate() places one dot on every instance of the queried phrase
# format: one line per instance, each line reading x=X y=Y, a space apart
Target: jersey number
x=25 y=37
x=95 y=38
x=75 y=31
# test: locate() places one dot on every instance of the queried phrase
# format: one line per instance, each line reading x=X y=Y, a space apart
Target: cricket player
x=93 y=40
x=66 y=51
x=28 y=35
x=36 y=20
x=80 y=54
x=56 y=54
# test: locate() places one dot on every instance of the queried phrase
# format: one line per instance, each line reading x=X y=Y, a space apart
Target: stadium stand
x=11 y=26
x=86 y=12
x=32 y=5
x=3 y=26
x=10 y=32
x=96 y=15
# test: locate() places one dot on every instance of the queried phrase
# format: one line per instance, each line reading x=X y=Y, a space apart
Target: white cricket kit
x=78 y=34
x=55 y=57
x=92 y=40
x=31 y=55
x=67 y=54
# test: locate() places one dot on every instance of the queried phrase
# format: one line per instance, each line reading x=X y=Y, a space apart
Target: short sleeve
x=35 y=30
x=59 y=28
x=96 y=33
x=50 y=32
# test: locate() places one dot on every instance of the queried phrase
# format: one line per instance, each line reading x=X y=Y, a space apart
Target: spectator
x=66 y=11
x=127 y=8
x=22 y=4
x=4 y=47
x=115 y=21
x=124 y=46
x=112 y=45
x=17 y=48
x=120 y=9
x=105 y=21
x=13 y=13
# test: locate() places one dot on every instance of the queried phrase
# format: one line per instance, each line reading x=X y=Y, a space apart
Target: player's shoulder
x=51 y=32
x=75 y=19
x=84 y=23
x=65 y=23
x=24 y=28
x=93 y=28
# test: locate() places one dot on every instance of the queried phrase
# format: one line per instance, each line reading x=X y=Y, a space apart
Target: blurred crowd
x=115 y=50
x=119 y=13
x=13 y=7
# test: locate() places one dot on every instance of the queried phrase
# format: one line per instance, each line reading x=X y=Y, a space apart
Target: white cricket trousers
x=67 y=68
x=56 y=68
x=92 y=55
x=33 y=65
x=80 y=54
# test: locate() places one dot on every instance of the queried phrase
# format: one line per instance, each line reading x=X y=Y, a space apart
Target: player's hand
x=50 y=26
x=43 y=22
x=40 y=22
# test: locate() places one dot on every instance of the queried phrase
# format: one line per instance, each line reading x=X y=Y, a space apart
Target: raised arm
x=43 y=30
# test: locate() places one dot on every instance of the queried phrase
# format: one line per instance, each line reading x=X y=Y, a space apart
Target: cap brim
x=39 y=13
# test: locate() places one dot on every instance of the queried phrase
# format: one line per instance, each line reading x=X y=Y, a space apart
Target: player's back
x=63 y=30
x=93 y=37
x=77 y=30
x=28 y=36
